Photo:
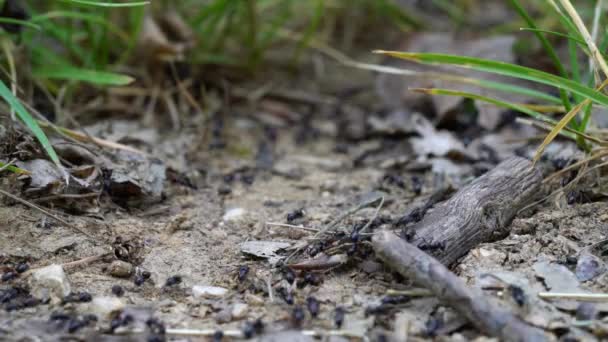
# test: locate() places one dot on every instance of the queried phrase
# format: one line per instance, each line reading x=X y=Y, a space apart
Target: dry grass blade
x=595 y=53
x=562 y=124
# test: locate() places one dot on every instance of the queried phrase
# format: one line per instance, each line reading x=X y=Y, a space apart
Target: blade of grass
x=108 y=4
x=347 y=61
x=562 y=123
x=80 y=74
x=496 y=102
x=502 y=68
x=29 y=121
x=85 y=138
x=88 y=17
x=548 y=48
x=555 y=33
x=25 y=23
x=597 y=57
x=13 y=169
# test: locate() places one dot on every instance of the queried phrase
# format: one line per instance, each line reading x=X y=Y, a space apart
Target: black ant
x=433 y=246
x=243 y=271
x=118 y=290
x=258 y=326
x=173 y=280
x=78 y=297
x=432 y=326
x=140 y=278
x=297 y=316
x=218 y=335
x=339 y=317
x=417 y=184
x=22 y=267
x=313 y=306
x=248 y=330
x=294 y=215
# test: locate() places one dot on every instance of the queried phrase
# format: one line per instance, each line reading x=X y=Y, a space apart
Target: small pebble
x=50 y=282
x=201 y=291
x=239 y=310
x=120 y=269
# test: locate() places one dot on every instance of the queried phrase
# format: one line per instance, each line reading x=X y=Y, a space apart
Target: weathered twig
x=428 y=272
x=479 y=212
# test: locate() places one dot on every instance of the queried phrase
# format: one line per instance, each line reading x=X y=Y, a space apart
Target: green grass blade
x=502 y=68
x=14 y=169
x=108 y=4
x=496 y=102
x=85 y=75
x=547 y=46
x=29 y=121
x=25 y=23
x=555 y=33
x=42 y=18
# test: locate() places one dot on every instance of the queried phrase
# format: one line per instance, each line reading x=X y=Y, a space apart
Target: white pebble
x=201 y=291
x=50 y=282
x=234 y=214
x=239 y=310
x=104 y=307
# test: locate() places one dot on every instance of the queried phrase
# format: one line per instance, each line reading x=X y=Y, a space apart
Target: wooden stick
x=428 y=272
x=480 y=212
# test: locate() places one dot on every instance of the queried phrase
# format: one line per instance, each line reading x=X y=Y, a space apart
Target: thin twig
x=278 y=224
x=369 y=223
x=583 y=297
x=410 y=293
x=45 y=212
x=85 y=261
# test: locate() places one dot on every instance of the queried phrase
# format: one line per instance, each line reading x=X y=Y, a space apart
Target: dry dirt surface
x=259 y=226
